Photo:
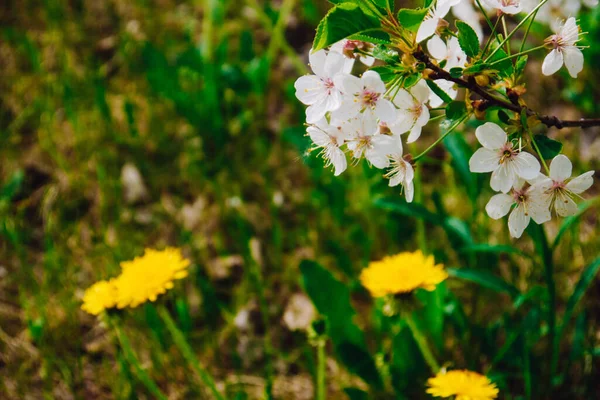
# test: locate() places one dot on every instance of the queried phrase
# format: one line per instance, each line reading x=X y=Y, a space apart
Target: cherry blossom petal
x=573 y=60
x=427 y=29
x=424 y=117
x=570 y=31
x=499 y=205
x=334 y=64
x=552 y=62
x=372 y=81
x=561 y=168
x=338 y=159
x=318 y=137
x=421 y=91
x=503 y=178
x=437 y=48
x=415 y=133
x=565 y=206
x=386 y=111
x=517 y=222
x=491 y=136
x=582 y=183
x=409 y=190
x=538 y=208
x=526 y=166
x=348 y=84
x=403 y=99
x=403 y=124
x=309 y=89
x=484 y=160
x=317 y=61
x=315 y=113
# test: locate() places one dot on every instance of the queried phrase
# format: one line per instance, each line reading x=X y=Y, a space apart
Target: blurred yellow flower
x=100 y=296
x=402 y=273
x=145 y=278
x=465 y=385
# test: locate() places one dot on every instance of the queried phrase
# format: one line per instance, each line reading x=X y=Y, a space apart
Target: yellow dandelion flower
x=465 y=385
x=402 y=273
x=100 y=296
x=145 y=278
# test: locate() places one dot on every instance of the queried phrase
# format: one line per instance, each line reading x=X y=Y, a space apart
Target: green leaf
x=467 y=38
x=386 y=73
x=376 y=36
x=456 y=229
x=385 y=4
x=359 y=362
x=438 y=91
x=411 y=80
x=356 y=394
x=342 y=21
x=587 y=277
x=572 y=220
x=520 y=65
x=549 y=148
x=505 y=68
x=386 y=54
x=494 y=249
x=411 y=19
x=485 y=279
x=456 y=72
x=456 y=110
x=332 y=299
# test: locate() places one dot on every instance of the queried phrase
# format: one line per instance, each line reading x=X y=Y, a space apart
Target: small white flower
x=364 y=94
x=559 y=189
x=565 y=51
x=502 y=159
x=329 y=138
x=353 y=50
x=454 y=56
x=510 y=7
x=401 y=173
x=433 y=18
x=413 y=113
x=364 y=140
x=528 y=205
x=319 y=91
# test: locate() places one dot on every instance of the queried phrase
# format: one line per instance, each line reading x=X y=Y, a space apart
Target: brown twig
x=548 y=120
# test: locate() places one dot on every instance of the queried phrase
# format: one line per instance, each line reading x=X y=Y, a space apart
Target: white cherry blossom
x=528 y=205
x=559 y=190
x=329 y=138
x=433 y=18
x=502 y=159
x=506 y=6
x=364 y=94
x=365 y=140
x=564 y=50
x=413 y=113
x=453 y=55
x=401 y=173
x=319 y=91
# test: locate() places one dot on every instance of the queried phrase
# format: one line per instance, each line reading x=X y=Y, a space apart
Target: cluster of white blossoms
x=361 y=118
x=359 y=115
x=516 y=175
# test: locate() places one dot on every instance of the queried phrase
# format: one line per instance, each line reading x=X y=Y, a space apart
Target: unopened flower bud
x=482 y=80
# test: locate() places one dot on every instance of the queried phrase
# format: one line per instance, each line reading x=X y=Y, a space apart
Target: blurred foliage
x=198 y=97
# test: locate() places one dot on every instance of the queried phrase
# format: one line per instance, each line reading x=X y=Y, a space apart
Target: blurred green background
x=147 y=123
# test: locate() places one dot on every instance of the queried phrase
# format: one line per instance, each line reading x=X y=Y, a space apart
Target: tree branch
x=548 y=120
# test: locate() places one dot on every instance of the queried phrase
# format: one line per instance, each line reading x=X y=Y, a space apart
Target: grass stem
x=188 y=353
